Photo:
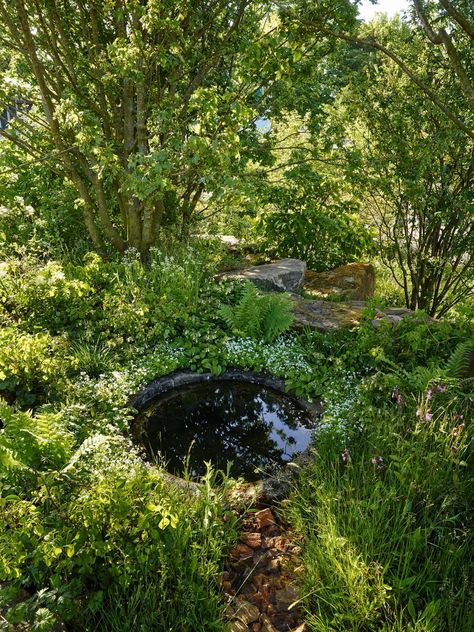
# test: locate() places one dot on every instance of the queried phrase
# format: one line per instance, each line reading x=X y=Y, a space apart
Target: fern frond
x=227 y=314
x=398 y=371
x=422 y=377
x=258 y=315
x=459 y=361
x=248 y=313
x=34 y=441
x=8 y=460
x=277 y=316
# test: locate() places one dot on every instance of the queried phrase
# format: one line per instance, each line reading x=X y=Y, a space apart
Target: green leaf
x=411 y=609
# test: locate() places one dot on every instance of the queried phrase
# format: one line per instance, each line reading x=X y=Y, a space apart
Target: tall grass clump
x=177 y=587
x=385 y=514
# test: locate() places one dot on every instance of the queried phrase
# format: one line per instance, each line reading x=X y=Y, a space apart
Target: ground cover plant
x=131 y=133
x=70 y=460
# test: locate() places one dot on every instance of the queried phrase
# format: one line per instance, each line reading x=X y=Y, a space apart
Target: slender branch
x=441 y=37
x=401 y=64
x=466 y=25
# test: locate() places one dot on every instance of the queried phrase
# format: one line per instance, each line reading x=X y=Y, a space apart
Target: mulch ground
x=261 y=573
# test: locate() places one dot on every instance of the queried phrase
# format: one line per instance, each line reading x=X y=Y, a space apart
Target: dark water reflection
x=252 y=426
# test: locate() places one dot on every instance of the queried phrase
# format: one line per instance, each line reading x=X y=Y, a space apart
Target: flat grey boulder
x=285 y=275
x=324 y=316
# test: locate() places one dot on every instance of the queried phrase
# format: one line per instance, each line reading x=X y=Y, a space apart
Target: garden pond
x=251 y=426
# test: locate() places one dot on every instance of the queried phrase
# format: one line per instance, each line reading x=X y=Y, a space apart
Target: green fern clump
x=33 y=442
x=258 y=316
x=244 y=319
x=453 y=374
x=460 y=360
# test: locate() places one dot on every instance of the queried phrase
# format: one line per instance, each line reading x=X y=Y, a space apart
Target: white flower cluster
x=243 y=352
x=282 y=358
x=21 y=207
x=99 y=453
x=152 y=363
x=340 y=399
x=115 y=387
x=99 y=405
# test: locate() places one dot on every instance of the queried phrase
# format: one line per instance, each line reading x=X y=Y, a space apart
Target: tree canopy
x=146 y=107
x=412 y=167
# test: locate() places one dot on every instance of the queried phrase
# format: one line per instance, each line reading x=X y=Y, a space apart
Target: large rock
x=285 y=275
x=394 y=315
x=325 y=316
x=229 y=240
x=354 y=281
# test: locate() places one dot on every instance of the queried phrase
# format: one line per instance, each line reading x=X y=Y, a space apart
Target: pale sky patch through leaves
x=367 y=10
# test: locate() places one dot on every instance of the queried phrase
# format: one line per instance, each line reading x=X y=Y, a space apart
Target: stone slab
x=325 y=316
x=285 y=275
x=353 y=281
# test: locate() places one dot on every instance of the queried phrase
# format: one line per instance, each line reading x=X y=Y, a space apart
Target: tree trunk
x=134 y=225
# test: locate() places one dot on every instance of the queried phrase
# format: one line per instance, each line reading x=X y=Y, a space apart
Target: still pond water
x=253 y=427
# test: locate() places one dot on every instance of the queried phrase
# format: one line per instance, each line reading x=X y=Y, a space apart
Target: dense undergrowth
x=304 y=131
x=385 y=507
x=101 y=540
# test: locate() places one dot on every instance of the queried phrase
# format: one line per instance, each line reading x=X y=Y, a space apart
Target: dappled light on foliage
x=150 y=154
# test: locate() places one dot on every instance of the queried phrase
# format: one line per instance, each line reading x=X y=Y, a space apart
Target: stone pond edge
x=274 y=487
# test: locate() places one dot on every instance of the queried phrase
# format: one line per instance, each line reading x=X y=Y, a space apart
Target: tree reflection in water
x=250 y=425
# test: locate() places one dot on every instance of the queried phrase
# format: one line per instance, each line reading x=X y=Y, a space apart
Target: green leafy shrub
x=47 y=295
x=257 y=315
x=38 y=213
x=91 y=534
x=118 y=302
x=34 y=443
x=323 y=239
x=31 y=365
x=312 y=216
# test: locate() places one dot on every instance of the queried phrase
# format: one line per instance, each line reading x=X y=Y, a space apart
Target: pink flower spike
x=418 y=412
x=345 y=455
x=429 y=415
x=441 y=388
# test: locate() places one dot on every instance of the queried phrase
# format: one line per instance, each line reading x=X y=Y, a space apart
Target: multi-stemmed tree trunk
x=138 y=103
x=414 y=169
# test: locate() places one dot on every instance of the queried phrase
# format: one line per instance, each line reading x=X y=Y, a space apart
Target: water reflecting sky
x=252 y=426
